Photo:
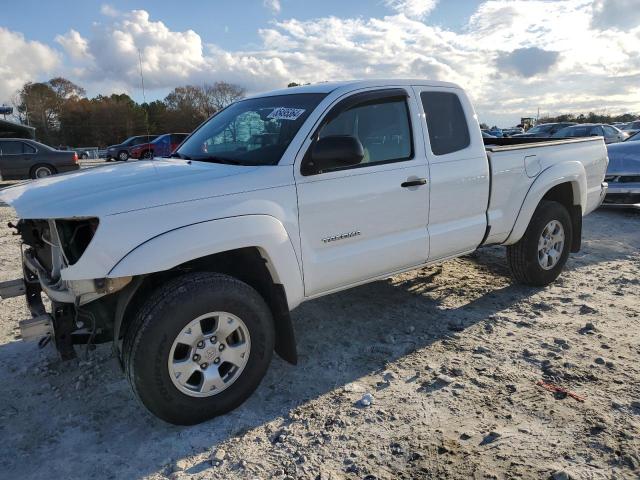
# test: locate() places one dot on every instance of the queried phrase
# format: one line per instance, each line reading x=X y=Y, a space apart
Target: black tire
x=148 y=341
x=522 y=257
x=84 y=156
x=123 y=156
x=37 y=171
x=148 y=155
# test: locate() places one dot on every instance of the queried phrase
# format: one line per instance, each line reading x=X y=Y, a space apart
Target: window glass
x=446 y=121
x=381 y=126
x=255 y=131
x=596 y=130
x=11 y=148
x=578 y=132
x=541 y=129
x=28 y=148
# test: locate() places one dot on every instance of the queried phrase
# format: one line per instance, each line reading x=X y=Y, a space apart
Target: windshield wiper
x=179 y=155
x=216 y=159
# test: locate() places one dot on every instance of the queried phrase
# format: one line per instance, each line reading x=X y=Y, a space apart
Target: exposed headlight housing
x=75 y=236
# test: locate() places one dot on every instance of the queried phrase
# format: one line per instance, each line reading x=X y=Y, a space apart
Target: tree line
x=590 y=117
x=63 y=115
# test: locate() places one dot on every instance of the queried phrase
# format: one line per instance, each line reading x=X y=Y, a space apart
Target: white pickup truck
x=190 y=265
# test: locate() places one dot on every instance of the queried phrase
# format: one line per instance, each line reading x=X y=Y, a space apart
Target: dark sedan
x=544 y=130
x=610 y=134
x=122 y=151
x=623 y=173
x=21 y=158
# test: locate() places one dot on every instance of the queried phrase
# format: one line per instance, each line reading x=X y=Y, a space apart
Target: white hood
x=119 y=188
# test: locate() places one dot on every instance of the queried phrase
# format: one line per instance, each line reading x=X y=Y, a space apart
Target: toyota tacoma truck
x=191 y=265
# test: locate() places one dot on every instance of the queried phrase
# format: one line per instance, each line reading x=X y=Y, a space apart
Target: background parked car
x=496 y=132
x=122 y=150
x=623 y=173
x=610 y=134
x=160 y=147
x=545 y=130
x=22 y=158
x=632 y=127
x=510 y=132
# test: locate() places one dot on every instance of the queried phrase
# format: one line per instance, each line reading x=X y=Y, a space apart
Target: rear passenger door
x=459 y=171
x=12 y=159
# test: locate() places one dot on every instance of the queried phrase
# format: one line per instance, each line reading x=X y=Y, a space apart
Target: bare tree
x=221 y=94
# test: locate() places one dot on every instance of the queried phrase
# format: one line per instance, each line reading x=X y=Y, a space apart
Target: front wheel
x=540 y=255
x=123 y=156
x=198 y=347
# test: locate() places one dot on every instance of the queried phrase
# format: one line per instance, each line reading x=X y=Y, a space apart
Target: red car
x=162 y=146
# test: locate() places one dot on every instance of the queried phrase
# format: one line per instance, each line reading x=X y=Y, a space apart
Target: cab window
x=446 y=122
x=382 y=126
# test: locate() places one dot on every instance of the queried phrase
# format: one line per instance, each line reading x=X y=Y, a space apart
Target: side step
x=12 y=288
x=36 y=328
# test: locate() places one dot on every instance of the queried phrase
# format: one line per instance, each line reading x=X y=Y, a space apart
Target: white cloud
x=417 y=9
x=109 y=11
x=22 y=61
x=273 y=5
x=73 y=43
x=512 y=56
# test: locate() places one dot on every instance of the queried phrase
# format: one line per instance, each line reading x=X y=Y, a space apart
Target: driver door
x=370 y=219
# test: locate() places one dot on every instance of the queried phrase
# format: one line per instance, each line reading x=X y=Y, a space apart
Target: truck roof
x=348 y=85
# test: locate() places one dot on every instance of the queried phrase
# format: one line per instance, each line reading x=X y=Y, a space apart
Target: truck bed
x=517 y=143
x=516 y=163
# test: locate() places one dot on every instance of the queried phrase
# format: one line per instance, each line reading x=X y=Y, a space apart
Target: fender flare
x=190 y=242
x=572 y=172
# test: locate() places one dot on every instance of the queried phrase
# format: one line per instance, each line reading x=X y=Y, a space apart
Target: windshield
x=634 y=138
x=256 y=131
x=540 y=129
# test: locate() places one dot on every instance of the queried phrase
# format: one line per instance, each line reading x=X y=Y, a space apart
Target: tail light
x=75 y=157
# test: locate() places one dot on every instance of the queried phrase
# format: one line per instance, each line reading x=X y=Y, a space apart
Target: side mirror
x=334 y=151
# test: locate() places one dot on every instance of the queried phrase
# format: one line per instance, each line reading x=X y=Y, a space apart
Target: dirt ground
x=449 y=356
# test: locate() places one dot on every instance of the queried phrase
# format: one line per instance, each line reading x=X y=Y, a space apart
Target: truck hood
x=113 y=189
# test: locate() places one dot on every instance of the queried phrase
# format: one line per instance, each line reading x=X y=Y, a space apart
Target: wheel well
x=245 y=264
x=563 y=194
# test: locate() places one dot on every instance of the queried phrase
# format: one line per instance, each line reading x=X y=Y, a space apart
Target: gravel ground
x=429 y=374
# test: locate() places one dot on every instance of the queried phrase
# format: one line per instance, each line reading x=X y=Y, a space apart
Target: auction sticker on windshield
x=284 y=113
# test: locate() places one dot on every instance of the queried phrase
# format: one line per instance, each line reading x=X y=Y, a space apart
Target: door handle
x=414 y=183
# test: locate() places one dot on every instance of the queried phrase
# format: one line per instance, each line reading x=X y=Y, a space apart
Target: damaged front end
x=78 y=314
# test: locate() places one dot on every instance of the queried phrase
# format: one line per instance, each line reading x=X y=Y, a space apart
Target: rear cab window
x=446 y=122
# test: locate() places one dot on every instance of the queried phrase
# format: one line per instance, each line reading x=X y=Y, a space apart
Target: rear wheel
x=41 y=171
x=540 y=255
x=147 y=155
x=198 y=347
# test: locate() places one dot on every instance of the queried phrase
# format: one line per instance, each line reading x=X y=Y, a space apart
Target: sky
x=514 y=57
